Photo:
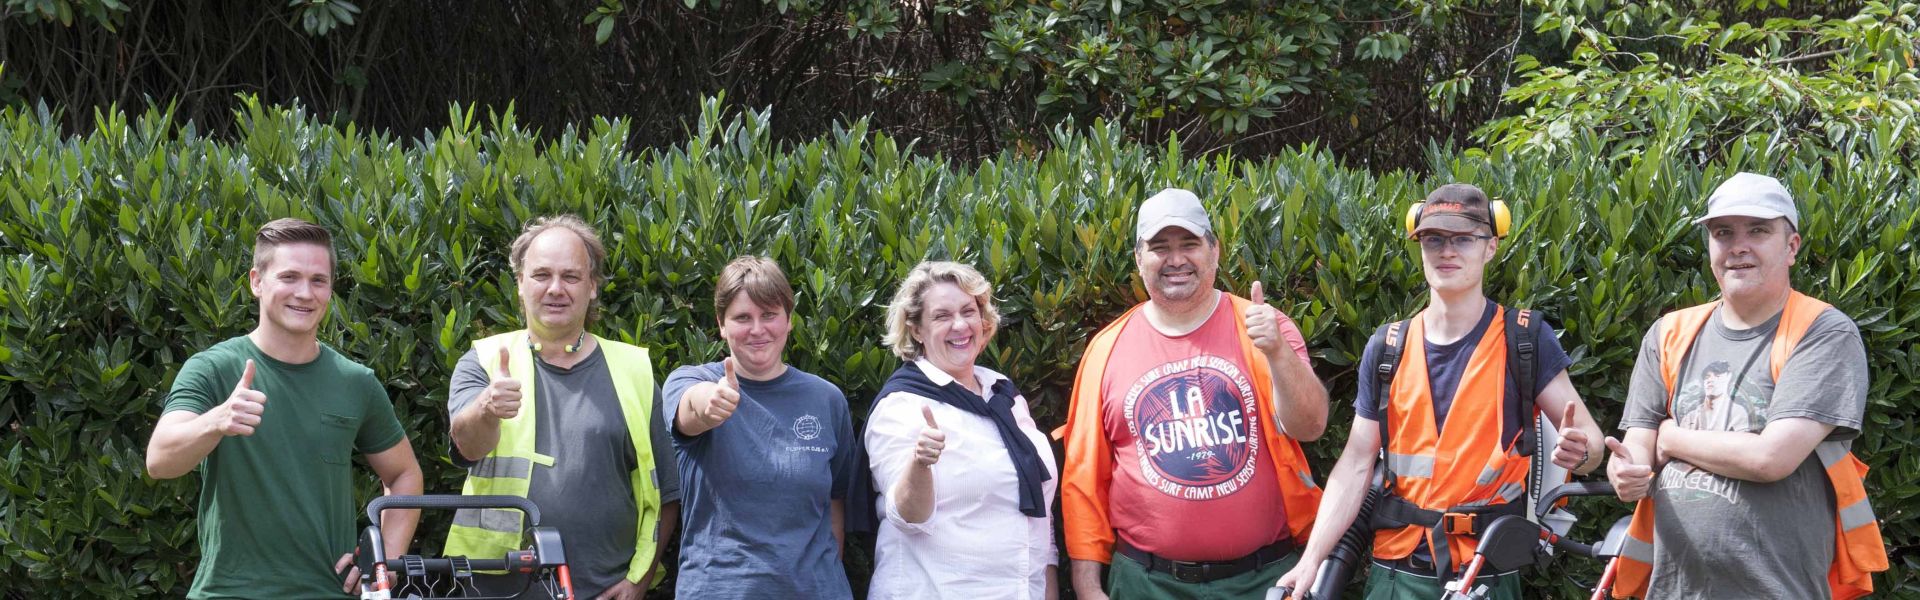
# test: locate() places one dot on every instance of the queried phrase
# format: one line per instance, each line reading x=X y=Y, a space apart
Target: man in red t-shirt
x=1182 y=468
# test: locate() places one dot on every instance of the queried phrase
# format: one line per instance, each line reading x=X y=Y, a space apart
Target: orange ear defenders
x=1502 y=218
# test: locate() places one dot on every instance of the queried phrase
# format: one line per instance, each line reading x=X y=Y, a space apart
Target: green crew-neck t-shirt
x=276 y=508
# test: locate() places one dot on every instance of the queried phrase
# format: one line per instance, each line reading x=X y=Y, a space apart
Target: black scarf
x=1027 y=464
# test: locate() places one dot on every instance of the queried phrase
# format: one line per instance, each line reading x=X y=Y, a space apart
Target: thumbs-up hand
x=1572 y=450
x=1630 y=475
x=1263 y=324
x=241 y=413
x=502 y=398
x=926 y=450
x=719 y=404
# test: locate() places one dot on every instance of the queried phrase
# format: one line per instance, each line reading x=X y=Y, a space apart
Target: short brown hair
x=903 y=314
x=759 y=277
x=596 y=251
x=282 y=232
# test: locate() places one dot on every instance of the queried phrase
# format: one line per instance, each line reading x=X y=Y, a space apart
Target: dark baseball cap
x=1455 y=208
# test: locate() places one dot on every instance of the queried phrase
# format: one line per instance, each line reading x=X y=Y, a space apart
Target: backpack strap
x=1523 y=327
x=1396 y=341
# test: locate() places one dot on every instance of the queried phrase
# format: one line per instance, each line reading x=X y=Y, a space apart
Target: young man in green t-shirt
x=273 y=419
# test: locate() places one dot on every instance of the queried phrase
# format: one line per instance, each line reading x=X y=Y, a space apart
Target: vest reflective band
x=1462 y=466
x=1859 y=551
x=491 y=533
x=1088 y=469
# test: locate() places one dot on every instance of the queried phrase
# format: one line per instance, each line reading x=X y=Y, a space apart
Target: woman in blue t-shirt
x=765 y=454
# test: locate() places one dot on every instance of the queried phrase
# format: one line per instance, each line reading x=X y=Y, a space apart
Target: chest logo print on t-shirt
x=807 y=427
x=1193 y=427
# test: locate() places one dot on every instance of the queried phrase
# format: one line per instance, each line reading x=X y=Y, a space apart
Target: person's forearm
x=179 y=444
x=912 y=493
x=663 y=538
x=1596 y=447
x=1086 y=577
x=397 y=524
x=475 y=431
x=1053 y=579
x=1300 y=401
x=1732 y=454
x=1346 y=488
x=686 y=420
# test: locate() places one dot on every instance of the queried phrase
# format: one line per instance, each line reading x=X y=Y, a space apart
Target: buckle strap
x=1394 y=512
x=1206 y=571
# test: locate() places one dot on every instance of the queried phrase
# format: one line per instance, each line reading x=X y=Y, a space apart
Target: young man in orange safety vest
x=1758 y=496
x=1450 y=395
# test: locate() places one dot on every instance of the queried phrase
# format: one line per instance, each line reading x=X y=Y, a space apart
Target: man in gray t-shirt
x=588 y=498
x=1727 y=450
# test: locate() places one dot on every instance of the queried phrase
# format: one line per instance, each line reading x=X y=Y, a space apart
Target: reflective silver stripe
x=1307 y=480
x=503 y=520
x=1487 y=476
x=1637 y=550
x=502 y=466
x=1410 y=465
x=1830 y=453
x=1856 y=515
x=1506 y=494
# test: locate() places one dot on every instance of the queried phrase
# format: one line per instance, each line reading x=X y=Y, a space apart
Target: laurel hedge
x=125 y=250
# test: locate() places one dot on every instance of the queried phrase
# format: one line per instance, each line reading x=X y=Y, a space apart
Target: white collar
x=986 y=376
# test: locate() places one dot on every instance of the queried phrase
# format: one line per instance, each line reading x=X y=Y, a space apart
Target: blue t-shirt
x=1446 y=363
x=756 y=490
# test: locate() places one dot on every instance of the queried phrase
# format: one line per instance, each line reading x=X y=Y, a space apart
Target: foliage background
x=1370 y=81
x=125 y=251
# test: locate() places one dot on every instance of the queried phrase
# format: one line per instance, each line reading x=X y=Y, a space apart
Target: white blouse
x=976 y=545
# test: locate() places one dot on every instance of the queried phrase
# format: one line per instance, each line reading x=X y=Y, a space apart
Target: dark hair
x=1718 y=367
x=282 y=232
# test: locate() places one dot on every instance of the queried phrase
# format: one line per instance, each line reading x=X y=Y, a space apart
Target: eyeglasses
x=1435 y=242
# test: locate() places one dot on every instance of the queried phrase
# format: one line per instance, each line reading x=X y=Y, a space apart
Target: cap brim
x=1156 y=228
x=1745 y=210
x=1450 y=223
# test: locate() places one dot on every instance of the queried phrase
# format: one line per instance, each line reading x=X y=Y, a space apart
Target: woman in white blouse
x=962 y=480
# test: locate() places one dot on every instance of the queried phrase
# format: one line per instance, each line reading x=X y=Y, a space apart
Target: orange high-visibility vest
x=1462 y=466
x=1858 y=552
x=1088 y=469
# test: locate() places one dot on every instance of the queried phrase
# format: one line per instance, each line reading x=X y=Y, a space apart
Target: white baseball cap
x=1751 y=195
x=1172 y=207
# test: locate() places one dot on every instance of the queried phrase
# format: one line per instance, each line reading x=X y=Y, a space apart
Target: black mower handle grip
x=452 y=503
x=1567 y=490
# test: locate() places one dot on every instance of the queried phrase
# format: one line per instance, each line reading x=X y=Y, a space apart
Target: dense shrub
x=125 y=249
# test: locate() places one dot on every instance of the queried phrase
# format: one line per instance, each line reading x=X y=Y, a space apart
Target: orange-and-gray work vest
x=1446 y=484
x=1859 y=552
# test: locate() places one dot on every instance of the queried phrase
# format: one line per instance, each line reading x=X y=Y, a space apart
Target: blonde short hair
x=904 y=313
x=596 y=251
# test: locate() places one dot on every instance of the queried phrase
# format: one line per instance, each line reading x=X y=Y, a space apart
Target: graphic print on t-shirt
x=1193 y=426
x=1711 y=400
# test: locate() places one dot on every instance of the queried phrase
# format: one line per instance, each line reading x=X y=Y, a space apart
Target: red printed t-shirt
x=1192 y=480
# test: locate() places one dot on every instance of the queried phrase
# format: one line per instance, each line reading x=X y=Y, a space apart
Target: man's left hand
x=1263 y=324
x=624 y=590
x=1572 y=451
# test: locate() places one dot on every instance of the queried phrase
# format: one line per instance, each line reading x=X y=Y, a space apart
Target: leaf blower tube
x=1354 y=546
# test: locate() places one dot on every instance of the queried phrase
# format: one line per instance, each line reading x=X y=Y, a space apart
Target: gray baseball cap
x=1751 y=195
x=1172 y=207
